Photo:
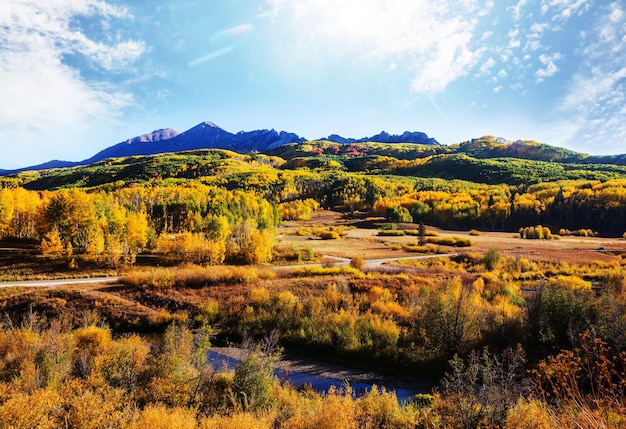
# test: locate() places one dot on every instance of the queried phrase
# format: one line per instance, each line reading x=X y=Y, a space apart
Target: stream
x=319 y=383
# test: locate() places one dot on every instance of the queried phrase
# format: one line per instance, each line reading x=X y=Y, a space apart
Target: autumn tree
x=52 y=245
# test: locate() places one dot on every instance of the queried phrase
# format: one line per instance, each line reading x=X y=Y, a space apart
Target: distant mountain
x=146 y=144
x=383 y=137
x=45 y=166
x=207 y=135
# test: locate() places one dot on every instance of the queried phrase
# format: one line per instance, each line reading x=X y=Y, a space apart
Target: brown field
x=361 y=240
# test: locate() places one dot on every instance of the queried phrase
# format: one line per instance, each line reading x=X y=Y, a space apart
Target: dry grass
x=364 y=242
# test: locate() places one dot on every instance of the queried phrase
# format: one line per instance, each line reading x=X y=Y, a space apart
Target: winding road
x=367 y=264
x=59 y=282
x=339 y=262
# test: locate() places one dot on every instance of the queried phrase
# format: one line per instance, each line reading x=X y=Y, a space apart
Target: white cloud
x=595 y=105
x=435 y=38
x=533 y=45
x=595 y=112
x=517 y=9
x=613 y=29
x=550 y=69
x=41 y=95
x=588 y=93
x=537 y=29
x=487 y=65
x=562 y=10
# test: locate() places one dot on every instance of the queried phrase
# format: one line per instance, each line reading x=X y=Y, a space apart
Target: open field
x=127 y=307
x=364 y=242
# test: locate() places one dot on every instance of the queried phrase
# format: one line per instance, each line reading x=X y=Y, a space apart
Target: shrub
x=391 y=233
x=479 y=393
x=491 y=259
x=329 y=235
x=322 y=271
x=451 y=241
x=584 y=386
x=537 y=232
x=399 y=214
x=427 y=248
x=475 y=232
x=357 y=262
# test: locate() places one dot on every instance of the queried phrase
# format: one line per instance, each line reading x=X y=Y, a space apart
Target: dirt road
x=59 y=282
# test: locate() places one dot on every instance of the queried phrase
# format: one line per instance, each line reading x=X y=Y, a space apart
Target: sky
x=77 y=76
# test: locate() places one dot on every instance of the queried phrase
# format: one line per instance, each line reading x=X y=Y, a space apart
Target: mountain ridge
x=208 y=135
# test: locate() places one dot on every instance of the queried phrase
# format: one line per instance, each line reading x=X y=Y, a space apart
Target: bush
x=322 y=271
x=357 y=262
x=451 y=241
x=399 y=214
x=253 y=382
x=416 y=232
x=427 y=248
x=536 y=233
x=329 y=235
x=391 y=233
x=491 y=259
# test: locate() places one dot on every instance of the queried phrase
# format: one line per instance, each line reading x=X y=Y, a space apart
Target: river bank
x=289 y=363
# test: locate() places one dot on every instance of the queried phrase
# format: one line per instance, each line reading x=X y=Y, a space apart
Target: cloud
x=46 y=94
x=550 y=69
x=435 y=39
x=517 y=9
x=487 y=65
x=596 y=113
x=595 y=105
x=562 y=10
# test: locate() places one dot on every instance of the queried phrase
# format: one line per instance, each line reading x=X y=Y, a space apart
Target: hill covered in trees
x=450 y=187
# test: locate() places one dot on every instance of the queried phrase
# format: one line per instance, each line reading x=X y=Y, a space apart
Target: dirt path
x=59 y=282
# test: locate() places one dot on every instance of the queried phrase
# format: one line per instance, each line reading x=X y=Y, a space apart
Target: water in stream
x=318 y=383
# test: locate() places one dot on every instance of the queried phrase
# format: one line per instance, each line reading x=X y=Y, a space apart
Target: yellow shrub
x=335 y=411
x=236 y=421
x=329 y=235
x=573 y=283
x=92 y=338
x=529 y=414
x=161 y=417
x=390 y=309
x=37 y=410
x=380 y=409
x=260 y=296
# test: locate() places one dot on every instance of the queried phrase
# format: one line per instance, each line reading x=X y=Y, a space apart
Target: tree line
x=200 y=222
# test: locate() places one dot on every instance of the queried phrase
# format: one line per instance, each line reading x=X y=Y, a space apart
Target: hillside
x=484 y=160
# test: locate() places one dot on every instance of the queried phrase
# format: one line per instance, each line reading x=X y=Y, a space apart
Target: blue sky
x=77 y=76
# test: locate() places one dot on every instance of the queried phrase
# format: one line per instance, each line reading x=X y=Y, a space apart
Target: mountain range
x=207 y=135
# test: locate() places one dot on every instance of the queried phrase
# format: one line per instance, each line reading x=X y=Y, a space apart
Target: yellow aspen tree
x=52 y=245
x=97 y=241
x=136 y=232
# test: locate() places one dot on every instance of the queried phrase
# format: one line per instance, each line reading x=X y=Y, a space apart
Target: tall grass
x=194 y=276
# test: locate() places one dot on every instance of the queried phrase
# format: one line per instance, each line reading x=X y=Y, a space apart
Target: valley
x=394 y=263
